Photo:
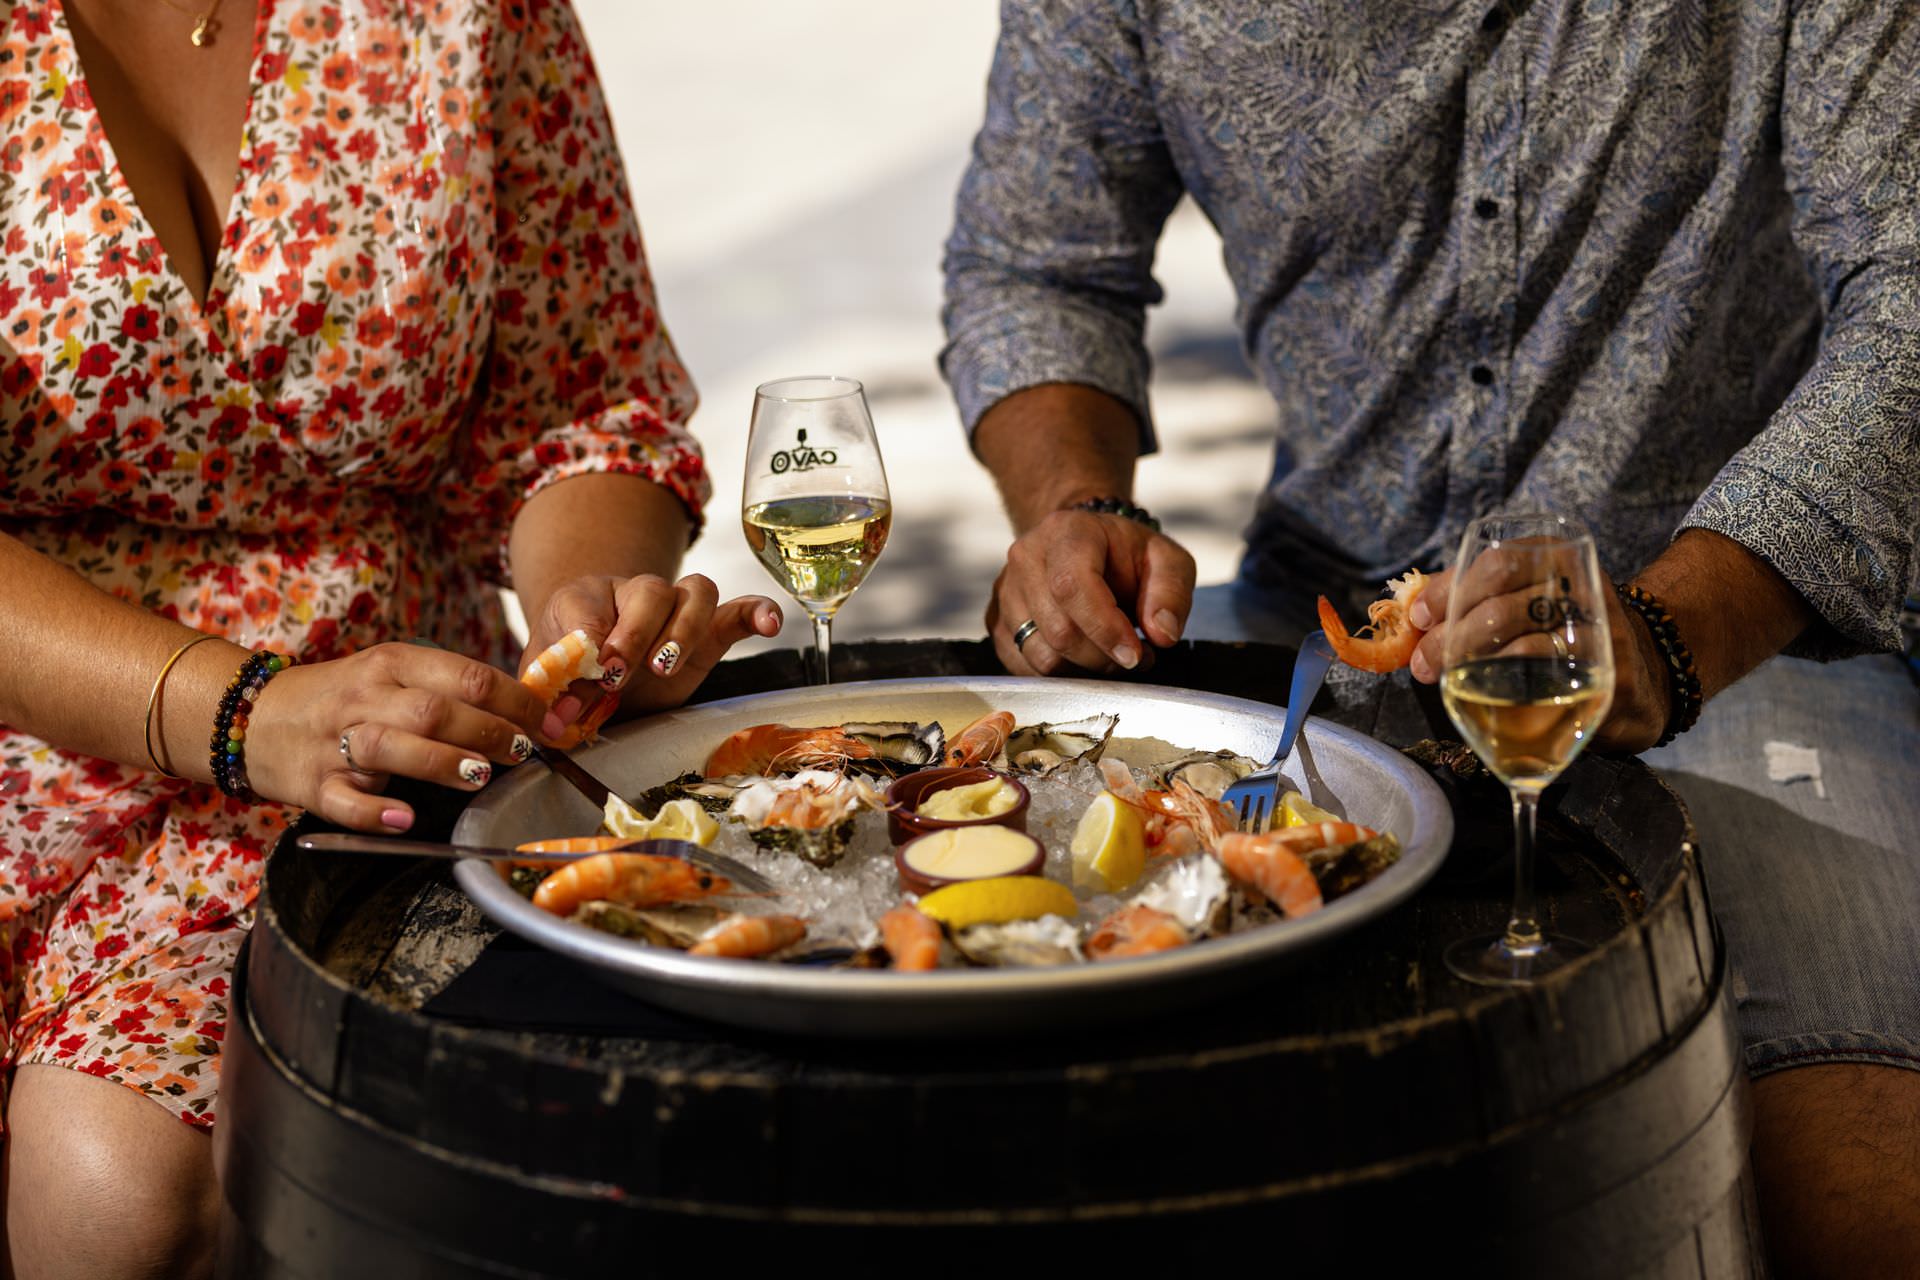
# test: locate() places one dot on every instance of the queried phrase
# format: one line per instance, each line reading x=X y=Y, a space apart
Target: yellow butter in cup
x=988 y=799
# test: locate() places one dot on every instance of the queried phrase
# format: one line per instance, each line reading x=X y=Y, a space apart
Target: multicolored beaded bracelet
x=1683 y=677
x=227 y=751
x=1118 y=507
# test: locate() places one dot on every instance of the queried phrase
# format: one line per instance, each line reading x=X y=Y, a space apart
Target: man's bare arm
x=1086 y=579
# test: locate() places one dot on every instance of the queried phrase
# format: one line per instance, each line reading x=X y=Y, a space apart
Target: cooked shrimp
x=572 y=657
x=743 y=936
x=982 y=740
x=911 y=938
x=1394 y=638
x=768 y=748
x=633 y=879
x=572 y=844
x=1136 y=931
x=587 y=727
x=1274 y=867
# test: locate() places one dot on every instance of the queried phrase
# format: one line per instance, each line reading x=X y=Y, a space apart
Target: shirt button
x=1481 y=374
x=1485 y=208
x=1496 y=18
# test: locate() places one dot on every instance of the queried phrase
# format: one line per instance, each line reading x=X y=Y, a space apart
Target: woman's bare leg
x=102 y=1184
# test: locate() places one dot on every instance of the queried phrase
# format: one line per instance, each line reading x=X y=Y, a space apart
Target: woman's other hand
x=326 y=737
x=656 y=639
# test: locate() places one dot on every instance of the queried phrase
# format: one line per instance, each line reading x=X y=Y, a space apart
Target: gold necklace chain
x=204 y=27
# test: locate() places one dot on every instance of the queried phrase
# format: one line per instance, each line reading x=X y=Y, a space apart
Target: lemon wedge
x=1109 y=846
x=998 y=900
x=677 y=820
x=1298 y=811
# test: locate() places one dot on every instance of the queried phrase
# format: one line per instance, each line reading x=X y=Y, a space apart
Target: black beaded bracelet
x=1118 y=507
x=227 y=750
x=1683 y=678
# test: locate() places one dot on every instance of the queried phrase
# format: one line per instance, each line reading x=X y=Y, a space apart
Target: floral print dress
x=430 y=301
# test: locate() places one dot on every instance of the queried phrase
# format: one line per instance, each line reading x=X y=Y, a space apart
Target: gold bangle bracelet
x=153 y=700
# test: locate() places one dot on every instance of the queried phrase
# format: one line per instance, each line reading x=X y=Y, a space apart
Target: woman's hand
x=1642 y=697
x=656 y=639
x=398 y=709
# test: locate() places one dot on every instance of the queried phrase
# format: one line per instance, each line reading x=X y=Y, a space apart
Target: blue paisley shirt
x=1655 y=263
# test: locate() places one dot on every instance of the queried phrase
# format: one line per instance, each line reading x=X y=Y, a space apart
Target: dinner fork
x=1252 y=798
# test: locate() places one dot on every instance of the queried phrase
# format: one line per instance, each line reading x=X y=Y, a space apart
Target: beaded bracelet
x=1684 y=679
x=1117 y=507
x=227 y=751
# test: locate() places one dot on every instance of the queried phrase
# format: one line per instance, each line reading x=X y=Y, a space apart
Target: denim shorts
x=1815 y=883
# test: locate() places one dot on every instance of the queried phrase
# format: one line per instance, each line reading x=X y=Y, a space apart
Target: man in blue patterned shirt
x=1651 y=263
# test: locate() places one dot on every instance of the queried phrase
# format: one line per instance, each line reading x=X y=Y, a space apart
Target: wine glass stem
x=1523 y=926
x=822 y=647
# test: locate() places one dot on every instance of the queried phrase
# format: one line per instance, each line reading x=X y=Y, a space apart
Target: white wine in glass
x=815 y=506
x=1528 y=677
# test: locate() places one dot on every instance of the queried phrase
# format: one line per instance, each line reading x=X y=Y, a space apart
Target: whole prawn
x=982 y=740
x=633 y=879
x=1274 y=861
x=766 y=748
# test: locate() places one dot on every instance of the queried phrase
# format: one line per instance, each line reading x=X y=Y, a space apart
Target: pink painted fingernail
x=567 y=707
x=396 y=819
x=475 y=771
x=553 y=726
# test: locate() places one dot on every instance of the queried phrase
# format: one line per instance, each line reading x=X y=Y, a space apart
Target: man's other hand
x=1093 y=583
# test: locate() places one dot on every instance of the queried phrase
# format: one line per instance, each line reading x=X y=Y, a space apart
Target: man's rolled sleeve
x=1829 y=492
x=1049 y=267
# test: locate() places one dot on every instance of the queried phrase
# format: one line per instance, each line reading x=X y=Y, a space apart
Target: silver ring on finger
x=1561 y=649
x=1024 y=632
x=346 y=752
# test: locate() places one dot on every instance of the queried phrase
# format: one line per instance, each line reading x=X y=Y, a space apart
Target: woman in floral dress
x=317 y=322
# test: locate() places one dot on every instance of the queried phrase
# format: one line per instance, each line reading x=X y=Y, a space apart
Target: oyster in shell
x=1196 y=891
x=1208 y=772
x=899 y=746
x=677 y=926
x=1049 y=940
x=1042 y=748
x=1342 y=870
x=810 y=814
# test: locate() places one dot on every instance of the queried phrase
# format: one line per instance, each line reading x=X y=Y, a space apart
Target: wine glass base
x=1488 y=960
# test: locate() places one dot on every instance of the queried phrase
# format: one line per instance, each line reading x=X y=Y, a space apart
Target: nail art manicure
x=616 y=674
x=475 y=771
x=522 y=747
x=668 y=658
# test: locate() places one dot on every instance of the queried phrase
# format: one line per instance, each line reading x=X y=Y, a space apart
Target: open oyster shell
x=1050 y=940
x=1042 y=748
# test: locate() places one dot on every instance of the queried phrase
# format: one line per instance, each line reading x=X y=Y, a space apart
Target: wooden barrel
x=401 y=1088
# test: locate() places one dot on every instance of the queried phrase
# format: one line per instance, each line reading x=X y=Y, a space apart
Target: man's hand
x=1733 y=611
x=1087 y=580
x=1642 y=695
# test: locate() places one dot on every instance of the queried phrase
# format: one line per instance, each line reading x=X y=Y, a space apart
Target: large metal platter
x=1334 y=766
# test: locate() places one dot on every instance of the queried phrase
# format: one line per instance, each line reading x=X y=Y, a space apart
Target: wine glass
x=1527 y=677
x=815 y=506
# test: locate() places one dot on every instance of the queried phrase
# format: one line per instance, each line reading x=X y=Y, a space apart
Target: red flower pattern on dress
x=431 y=302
